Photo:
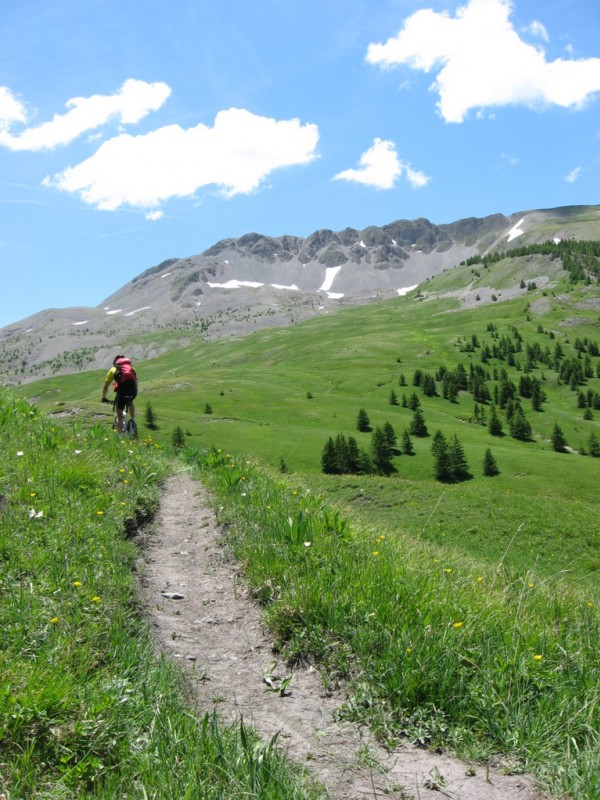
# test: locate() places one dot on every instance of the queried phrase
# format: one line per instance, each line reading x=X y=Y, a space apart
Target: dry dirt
x=202 y=615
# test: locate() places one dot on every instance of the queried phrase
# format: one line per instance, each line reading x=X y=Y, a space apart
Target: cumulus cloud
x=11 y=109
x=235 y=155
x=481 y=61
x=134 y=100
x=380 y=168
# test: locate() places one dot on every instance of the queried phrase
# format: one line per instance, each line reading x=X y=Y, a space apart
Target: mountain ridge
x=239 y=285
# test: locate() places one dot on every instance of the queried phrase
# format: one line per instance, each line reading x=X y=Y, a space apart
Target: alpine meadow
x=410 y=486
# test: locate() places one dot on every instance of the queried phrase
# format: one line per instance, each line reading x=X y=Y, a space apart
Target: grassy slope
x=257 y=387
x=88 y=708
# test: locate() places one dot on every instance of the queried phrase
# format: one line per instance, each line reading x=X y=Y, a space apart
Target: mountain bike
x=129 y=424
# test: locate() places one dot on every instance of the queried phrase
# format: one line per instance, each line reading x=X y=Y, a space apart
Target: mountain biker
x=123 y=376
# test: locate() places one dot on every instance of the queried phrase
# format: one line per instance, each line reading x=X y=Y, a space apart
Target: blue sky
x=132 y=132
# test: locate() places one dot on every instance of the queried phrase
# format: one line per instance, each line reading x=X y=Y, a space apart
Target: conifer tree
x=178 y=437
x=490 y=468
x=329 y=462
x=494 y=423
x=441 y=455
x=390 y=436
x=381 y=452
x=363 y=423
x=393 y=398
x=417 y=425
x=559 y=443
x=594 y=445
x=407 y=445
x=519 y=425
x=150 y=417
x=459 y=468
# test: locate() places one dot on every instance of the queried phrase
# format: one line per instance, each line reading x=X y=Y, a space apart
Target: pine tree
x=458 y=462
x=393 y=398
x=363 y=423
x=390 y=436
x=414 y=402
x=559 y=443
x=494 y=423
x=178 y=437
x=381 y=452
x=490 y=468
x=417 y=426
x=519 y=426
x=594 y=445
x=342 y=453
x=150 y=417
x=329 y=462
x=441 y=455
x=407 y=445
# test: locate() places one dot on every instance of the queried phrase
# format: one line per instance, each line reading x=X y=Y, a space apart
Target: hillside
x=241 y=285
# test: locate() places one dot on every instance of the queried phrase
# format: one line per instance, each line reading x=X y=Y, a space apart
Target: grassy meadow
x=460 y=614
x=88 y=708
x=278 y=395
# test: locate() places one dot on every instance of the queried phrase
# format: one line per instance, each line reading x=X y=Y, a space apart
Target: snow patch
x=556 y=240
x=166 y=275
x=330 y=274
x=292 y=288
x=82 y=322
x=362 y=244
x=406 y=289
x=515 y=231
x=116 y=311
x=137 y=310
x=235 y=284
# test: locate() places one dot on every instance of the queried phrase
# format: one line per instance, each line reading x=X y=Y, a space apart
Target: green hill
x=278 y=395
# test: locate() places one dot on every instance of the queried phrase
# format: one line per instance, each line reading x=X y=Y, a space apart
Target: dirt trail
x=202 y=615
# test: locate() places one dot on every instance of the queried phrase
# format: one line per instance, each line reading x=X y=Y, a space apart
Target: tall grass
x=88 y=707
x=443 y=649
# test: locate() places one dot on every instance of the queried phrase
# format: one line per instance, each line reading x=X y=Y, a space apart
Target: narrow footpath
x=202 y=616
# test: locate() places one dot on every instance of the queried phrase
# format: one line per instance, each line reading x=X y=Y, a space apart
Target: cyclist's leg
x=120 y=412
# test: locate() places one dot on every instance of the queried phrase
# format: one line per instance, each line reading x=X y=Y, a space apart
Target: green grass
x=513 y=558
x=279 y=394
x=447 y=649
x=87 y=706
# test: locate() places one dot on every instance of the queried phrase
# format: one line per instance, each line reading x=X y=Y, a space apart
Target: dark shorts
x=126 y=393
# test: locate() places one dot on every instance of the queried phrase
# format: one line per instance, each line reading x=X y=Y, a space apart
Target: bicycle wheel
x=132 y=428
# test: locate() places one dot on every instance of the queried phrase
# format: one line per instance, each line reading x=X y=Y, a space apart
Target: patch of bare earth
x=202 y=615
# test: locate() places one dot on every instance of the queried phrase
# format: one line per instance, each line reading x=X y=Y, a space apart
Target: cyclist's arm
x=109 y=378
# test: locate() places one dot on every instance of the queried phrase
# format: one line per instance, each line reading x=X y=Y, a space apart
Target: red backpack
x=124 y=373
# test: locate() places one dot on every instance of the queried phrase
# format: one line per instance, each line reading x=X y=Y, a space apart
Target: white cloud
x=380 y=167
x=134 y=100
x=481 y=61
x=573 y=175
x=538 y=29
x=11 y=109
x=154 y=215
x=236 y=155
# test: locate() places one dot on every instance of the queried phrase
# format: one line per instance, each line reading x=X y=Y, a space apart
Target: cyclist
x=123 y=376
